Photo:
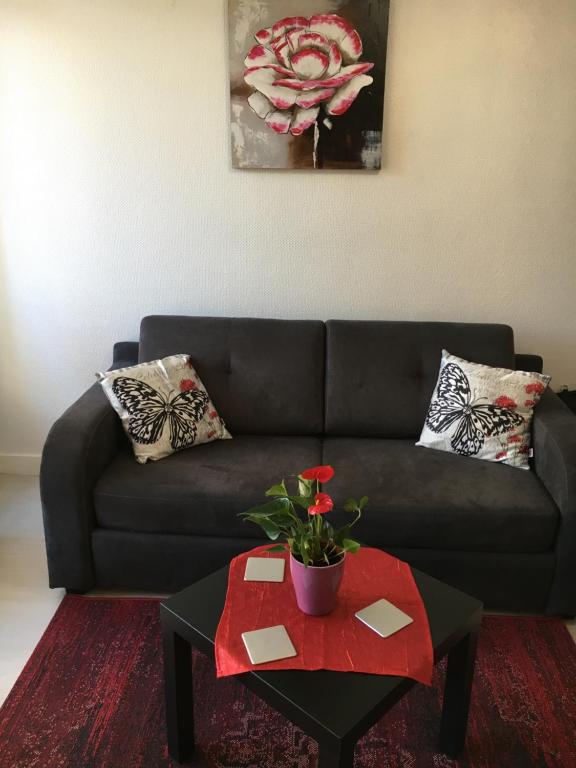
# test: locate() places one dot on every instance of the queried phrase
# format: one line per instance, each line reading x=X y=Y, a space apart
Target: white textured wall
x=117 y=197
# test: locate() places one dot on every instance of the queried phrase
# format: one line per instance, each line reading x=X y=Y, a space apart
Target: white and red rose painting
x=301 y=65
x=307 y=83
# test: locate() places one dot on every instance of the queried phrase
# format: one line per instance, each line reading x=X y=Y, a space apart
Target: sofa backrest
x=266 y=377
x=380 y=375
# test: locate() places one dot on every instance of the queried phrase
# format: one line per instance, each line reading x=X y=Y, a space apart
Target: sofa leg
x=75 y=591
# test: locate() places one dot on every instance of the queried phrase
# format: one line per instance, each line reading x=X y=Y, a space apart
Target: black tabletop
x=339 y=701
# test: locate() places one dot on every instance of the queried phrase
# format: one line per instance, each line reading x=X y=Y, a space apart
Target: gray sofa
x=296 y=394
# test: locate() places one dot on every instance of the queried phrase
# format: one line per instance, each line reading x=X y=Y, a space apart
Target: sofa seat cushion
x=434 y=500
x=200 y=491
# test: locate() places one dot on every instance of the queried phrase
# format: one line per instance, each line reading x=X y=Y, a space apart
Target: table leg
x=457 y=689
x=336 y=754
x=178 y=695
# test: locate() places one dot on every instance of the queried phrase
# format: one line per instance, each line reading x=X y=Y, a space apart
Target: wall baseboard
x=20 y=463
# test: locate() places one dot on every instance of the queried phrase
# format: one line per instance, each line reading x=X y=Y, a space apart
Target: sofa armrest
x=529 y=363
x=125 y=354
x=554 y=440
x=78 y=448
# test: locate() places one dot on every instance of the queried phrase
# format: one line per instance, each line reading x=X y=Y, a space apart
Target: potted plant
x=317 y=549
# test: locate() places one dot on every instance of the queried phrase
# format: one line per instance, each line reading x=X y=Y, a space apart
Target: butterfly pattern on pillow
x=149 y=410
x=476 y=421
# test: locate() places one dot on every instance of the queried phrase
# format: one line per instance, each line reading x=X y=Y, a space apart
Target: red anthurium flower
x=322 y=474
x=323 y=503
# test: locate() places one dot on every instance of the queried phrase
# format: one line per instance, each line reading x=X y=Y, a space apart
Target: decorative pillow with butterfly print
x=164 y=407
x=484 y=412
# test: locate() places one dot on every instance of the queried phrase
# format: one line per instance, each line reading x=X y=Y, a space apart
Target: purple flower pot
x=316 y=587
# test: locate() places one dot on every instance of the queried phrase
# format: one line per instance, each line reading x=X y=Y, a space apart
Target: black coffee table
x=335 y=708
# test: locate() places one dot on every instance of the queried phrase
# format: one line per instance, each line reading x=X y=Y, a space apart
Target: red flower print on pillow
x=530 y=403
x=213 y=414
x=501 y=455
x=535 y=388
x=187 y=384
x=515 y=439
x=505 y=402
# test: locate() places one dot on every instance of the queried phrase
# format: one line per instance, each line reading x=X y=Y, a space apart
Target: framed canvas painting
x=307 y=83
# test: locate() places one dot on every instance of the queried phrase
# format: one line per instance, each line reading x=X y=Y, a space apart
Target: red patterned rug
x=91 y=697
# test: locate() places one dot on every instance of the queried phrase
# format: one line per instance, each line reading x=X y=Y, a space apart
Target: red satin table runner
x=338 y=641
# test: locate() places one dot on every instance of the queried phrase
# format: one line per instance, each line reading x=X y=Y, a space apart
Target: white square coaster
x=264 y=569
x=384 y=618
x=268 y=644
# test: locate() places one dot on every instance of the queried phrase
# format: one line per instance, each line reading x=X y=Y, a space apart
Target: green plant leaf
x=304 y=487
x=301 y=501
x=270 y=528
x=349 y=545
x=277 y=490
x=277 y=548
x=351 y=505
x=363 y=501
x=270 y=508
x=304 y=549
x=275 y=518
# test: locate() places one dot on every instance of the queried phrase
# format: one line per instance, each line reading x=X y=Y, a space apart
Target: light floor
x=26 y=602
